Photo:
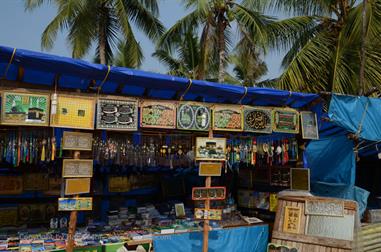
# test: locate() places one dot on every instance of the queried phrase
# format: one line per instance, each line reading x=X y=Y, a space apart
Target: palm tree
x=217 y=19
x=248 y=66
x=324 y=55
x=103 y=22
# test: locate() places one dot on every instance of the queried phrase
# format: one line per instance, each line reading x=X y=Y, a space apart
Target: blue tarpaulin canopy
x=45 y=69
x=357 y=114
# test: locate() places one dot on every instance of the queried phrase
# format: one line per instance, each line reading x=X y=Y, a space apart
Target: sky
x=22 y=29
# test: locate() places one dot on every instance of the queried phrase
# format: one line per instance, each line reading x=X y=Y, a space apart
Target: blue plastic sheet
x=332 y=160
x=357 y=115
x=247 y=239
x=42 y=69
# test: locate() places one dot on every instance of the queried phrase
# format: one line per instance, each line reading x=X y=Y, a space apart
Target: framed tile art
x=25 y=109
x=117 y=114
x=75 y=112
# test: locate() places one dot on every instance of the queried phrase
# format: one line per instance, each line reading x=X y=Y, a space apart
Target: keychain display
x=172 y=151
x=27 y=147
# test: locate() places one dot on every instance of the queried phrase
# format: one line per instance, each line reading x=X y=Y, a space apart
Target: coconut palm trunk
x=221 y=25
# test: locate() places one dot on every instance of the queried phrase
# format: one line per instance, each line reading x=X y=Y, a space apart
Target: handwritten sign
x=193 y=116
x=210 y=169
x=77 y=141
x=75 y=204
x=205 y=214
x=291 y=222
x=309 y=125
x=286 y=120
x=257 y=120
x=117 y=114
x=157 y=114
x=11 y=185
x=209 y=193
x=77 y=186
x=227 y=118
x=326 y=207
x=77 y=168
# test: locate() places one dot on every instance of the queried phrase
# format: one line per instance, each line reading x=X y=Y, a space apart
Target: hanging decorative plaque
x=309 y=125
x=75 y=204
x=207 y=214
x=227 y=118
x=291 y=222
x=8 y=216
x=193 y=116
x=157 y=114
x=25 y=109
x=257 y=120
x=77 y=186
x=35 y=182
x=117 y=114
x=11 y=185
x=77 y=141
x=285 y=120
x=74 y=112
x=77 y=168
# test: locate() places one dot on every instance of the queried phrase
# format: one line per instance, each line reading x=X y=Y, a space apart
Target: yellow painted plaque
x=77 y=186
x=273 y=202
x=74 y=112
x=210 y=169
x=291 y=222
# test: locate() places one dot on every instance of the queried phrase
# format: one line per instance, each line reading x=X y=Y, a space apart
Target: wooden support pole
x=73 y=220
x=208 y=183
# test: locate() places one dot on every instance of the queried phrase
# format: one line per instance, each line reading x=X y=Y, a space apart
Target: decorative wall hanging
x=35 y=182
x=25 y=109
x=257 y=120
x=309 y=125
x=300 y=179
x=207 y=214
x=117 y=114
x=180 y=210
x=210 y=148
x=209 y=193
x=77 y=186
x=77 y=168
x=227 y=117
x=75 y=112
x=118 y=184
x=54 y=186
x=11 y=185
x=326 y=207
x=209 y=169
x=75 y=204
x=8 y=216
x=36 y=213
x=273 y=202
x=285 y=120
x=77 y=141
x=193 y=116
x=157 y=114
x=291 y=222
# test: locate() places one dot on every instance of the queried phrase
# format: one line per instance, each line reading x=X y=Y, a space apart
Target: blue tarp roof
x=43 y=69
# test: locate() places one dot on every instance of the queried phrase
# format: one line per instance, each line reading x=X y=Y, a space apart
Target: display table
x=238 y=239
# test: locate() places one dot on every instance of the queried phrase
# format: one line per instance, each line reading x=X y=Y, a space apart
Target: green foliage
x=105 y=23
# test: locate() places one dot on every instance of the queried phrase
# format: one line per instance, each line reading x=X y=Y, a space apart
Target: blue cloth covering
x=247 y=239
x=349 y=112
x=42 y=69
x=331 y=160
